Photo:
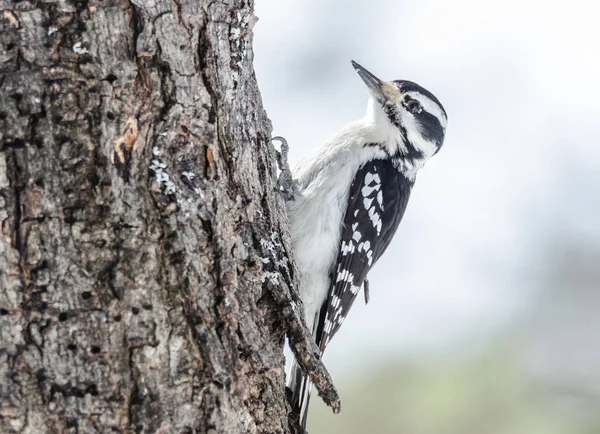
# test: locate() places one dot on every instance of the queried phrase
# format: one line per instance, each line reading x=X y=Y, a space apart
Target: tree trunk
x=144 y=247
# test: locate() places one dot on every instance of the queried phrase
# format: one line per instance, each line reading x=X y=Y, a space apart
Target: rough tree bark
x=144 y=262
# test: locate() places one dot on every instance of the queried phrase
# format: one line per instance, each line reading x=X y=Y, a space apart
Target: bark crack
x=203 y=56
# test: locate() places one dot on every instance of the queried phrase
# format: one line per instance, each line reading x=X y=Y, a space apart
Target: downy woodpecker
x=350 y=196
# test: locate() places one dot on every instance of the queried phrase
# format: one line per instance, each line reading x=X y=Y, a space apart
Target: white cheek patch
x=430 y=107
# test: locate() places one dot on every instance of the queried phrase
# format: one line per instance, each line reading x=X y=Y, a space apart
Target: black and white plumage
x=368 y=228
x=351 y=196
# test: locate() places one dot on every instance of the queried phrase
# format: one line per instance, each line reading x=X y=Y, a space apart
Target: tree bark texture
x=143 y=246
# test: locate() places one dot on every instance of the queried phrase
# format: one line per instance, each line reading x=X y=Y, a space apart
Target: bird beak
x=381 y=90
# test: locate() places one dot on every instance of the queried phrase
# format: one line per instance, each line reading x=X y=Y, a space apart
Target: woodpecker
x=349 y=198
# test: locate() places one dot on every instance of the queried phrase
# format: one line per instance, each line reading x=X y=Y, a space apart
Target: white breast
x=317 y=213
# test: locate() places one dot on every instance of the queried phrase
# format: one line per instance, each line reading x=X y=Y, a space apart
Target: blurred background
x=485 y=310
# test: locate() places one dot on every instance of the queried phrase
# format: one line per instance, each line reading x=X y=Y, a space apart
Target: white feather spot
x=337 y=313
x=366 y=190
x=375 y=219
x=328 y=326
x=347 y=247
x=367 y=246
x=335 y=301
x=345 y=276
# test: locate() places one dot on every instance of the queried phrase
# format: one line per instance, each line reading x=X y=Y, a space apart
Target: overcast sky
x=520 y=164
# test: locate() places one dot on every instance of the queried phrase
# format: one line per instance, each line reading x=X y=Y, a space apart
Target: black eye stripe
x=429 y=125
x=431 y=129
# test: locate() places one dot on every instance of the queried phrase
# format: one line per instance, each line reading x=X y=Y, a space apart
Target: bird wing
x=377 y=200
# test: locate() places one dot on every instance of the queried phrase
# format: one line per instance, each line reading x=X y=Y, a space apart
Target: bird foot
x=286 y=183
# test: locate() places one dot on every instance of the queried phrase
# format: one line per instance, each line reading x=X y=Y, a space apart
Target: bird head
x=409 y=119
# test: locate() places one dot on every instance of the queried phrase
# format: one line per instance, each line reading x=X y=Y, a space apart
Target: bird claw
x=366 y=291
x=286 y=183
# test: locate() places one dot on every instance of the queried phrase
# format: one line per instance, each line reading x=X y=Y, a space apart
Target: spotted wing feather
x=378 y=197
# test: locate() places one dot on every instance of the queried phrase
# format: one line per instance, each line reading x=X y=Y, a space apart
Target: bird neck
x=393 y=140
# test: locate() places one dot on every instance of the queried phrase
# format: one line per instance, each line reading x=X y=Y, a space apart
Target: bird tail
x=299 y=394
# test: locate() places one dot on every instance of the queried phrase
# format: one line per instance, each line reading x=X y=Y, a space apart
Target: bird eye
x=413 y=106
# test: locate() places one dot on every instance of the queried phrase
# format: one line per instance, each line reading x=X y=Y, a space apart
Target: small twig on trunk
x=308 y=357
